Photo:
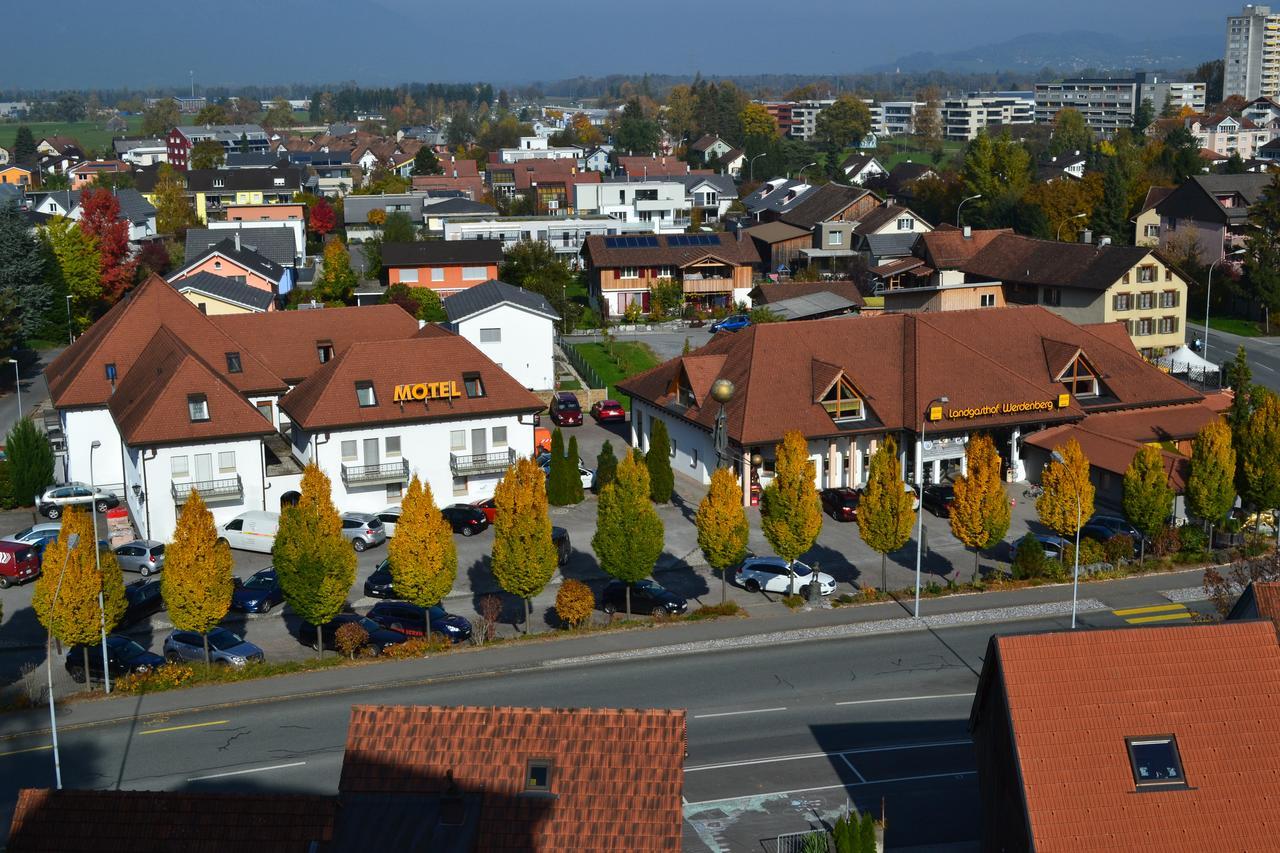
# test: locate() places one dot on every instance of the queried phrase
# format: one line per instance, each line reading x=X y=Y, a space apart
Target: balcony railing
x=211 y=491
x=708 y=284
x=368 y=475
x=481 y=463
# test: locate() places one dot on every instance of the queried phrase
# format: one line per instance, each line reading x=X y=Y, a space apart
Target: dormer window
x=537 y=774
x=198 y=407
x=217 y=183
x=111 y=371
x=324 y=351
x=843 y=402
x=365 y=395
x=1156 y=762
x=233 y=362
x=1079 y=378
x=473 y=385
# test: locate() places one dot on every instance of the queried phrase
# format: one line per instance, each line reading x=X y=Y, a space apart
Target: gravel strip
x=1195 y=593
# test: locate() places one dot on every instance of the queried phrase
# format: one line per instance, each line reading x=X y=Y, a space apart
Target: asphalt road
x=779 y=736
x=34 y=389
x=1263 y=353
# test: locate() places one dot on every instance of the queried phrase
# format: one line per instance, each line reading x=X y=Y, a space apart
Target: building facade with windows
x=713 y=270
x=1251 y=64
x=564 y=234
x=445 y=266
x=965 y=117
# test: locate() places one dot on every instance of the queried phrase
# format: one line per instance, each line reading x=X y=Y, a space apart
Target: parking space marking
x=243 y=772
x=834 y=787
x=1157 y=608
x=849 y=763
x=181 y=728
x=1154 y=613
x=801 y=756
x=738 y=713
x=28 y=749
x=968 y=695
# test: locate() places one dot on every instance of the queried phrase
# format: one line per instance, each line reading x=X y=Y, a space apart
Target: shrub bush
x=574 y=603
x=1169 y=540
x=1118 y=548
x=1192 y=539
x=418 y=647
x=1028 y=560
x=1056 y=570
x=165 y=677
x=711 y=611
x=1090 y=553
x=489 y=611
x=350 y=638
x=793 y=601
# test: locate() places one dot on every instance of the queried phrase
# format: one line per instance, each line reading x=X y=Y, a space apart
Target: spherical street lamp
x=722 y=391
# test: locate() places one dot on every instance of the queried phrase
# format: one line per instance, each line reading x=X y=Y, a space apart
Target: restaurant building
x=847 y=382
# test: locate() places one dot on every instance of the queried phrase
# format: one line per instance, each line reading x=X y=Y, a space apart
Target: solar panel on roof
x=631 y=242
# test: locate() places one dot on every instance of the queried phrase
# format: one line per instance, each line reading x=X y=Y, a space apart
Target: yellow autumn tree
x=196 y=583
x=980 y=513
x=1062 y=483
x=524 y=557
x=423 y=558
x=885 y=511
x=66 y=593
x=790 y=510
x=722 y=525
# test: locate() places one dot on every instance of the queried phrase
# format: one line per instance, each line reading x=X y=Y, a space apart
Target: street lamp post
x=1068 y=219
x=924 y=419
x=752 y=164
x=722 y=393
x=1208 y=290
x=97 y=561
x=1075 y=582
x=961 y=205
x=70 y=335
x=800 y=174
x=72 y=541
x=17 y=384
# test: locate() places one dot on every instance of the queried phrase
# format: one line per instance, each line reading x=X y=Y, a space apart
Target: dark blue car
x=258 y=594
x=407 y=619
x=732 y=323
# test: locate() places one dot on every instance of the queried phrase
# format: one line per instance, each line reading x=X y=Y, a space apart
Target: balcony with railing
x=699 y=283
x=372 y=475
x=227 y=489
x=462 y=464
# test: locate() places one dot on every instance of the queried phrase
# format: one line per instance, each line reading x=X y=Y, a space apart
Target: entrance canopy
x=1183 y=360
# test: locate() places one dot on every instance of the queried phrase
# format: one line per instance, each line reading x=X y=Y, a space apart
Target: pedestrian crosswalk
x=1155 y=613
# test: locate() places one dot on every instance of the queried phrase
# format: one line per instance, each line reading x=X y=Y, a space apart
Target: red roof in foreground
x=1074 y=697
x=48 y=821
x=615 y=782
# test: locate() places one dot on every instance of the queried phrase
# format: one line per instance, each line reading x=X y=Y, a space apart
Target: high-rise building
x=1252 y=62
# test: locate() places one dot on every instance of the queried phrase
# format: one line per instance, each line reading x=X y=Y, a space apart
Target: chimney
x=237 y=239
x=968 y=232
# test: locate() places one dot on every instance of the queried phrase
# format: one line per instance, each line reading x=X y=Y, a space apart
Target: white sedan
x=389 y=517
x=770 y=574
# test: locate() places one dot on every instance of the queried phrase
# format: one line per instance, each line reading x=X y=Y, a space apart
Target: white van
x=252 y=531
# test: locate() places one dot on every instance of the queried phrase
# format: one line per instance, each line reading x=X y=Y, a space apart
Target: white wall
x=156 y=517
x=426 y=447
x=525 y=348
x=84 y=426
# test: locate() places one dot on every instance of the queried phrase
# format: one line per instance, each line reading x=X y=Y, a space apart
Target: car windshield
x=23 y=534
x=260 y=582
x=649 y=586
x=222 y=639
x=437 y=612
x=565 y=406
x=382 y=573
x=367 y=624
x=126 y=648
x=800 y=569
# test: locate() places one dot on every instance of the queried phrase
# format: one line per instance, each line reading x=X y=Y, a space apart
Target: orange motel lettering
x=426 y=391
x=995 y=409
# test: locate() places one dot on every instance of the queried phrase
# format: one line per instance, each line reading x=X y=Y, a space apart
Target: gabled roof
x=91 y=821
x=482 y=297
x=225 y=289
x=1015 y=258
x=823 y=303
x=429 y=252
x=1107 y=451
x=1155 y=195
x=77 y=377
x=238 y=252
x=892 y=245
x=770 y=294
x=1259 y=600
x=946 y=247
x=206 y=180
x=1070 y=699
x=882 y=216
x=149 y=405
x=1197 y=198
x=275 y=243
x=667 y=250
x=654 y=166
x=823 y=203
x=600 y=760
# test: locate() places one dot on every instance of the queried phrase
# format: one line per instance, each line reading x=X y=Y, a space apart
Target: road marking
x=849 y=763
x=1167 y=617
x=908 y=698
x=738 y=713
x=1158 y=608
x=181 y=728
x=243 y=772
x=834 y=787
x=809 y=755
x=28 y=749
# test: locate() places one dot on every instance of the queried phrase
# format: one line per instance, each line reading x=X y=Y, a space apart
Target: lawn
x=1235 y=326
x=91 y=135
x=627 y=359
x=904 y=148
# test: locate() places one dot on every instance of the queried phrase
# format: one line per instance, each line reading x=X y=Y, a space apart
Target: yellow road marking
x=1133 y=611
x=180 y=728
x=28 y=749
x=1164 y=617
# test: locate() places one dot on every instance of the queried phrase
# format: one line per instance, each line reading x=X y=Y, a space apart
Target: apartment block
x=1252 y=59
x=1107 y=104
x=965 y=117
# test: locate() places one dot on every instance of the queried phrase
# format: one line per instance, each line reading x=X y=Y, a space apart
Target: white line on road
x=833 y=787
x=242 y=772
x=846 y=760
x=801 y=756
x=737 y=713
x=968 y=695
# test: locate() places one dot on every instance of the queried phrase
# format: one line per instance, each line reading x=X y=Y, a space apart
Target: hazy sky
x=281 y=41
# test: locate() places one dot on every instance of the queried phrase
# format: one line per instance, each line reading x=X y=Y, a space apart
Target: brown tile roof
x=766 y=293
x=1015 y=258
x=1260 y=600
x=1073 y=697
x=880 y=217
x=730 y=249
x=946 y=247
x=287 y=340
x=1161 y=423
x=1108 y=452
x=657 y=167
x=327 y=399
x=77 y=377
x=902 y=361
x=822 y=203
x=1155 y=195
x=616 y=775
x=75 y=821
x=776 y=232
x=529 y=172
x=150 y=402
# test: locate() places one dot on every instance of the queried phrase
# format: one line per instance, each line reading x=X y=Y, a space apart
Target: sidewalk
x=564 y=649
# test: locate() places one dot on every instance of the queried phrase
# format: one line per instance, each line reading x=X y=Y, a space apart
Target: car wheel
x=101 y=506
x=222 y=541
x=4 y=582
x=53 y=512
x=172 y=657
x=222 y=663
x=358 y=544
x=145 y=571
x=266 y=607
x=315 y=646
x=77 y=674
x=609 y=609
x=467 y=531
x=752 y=585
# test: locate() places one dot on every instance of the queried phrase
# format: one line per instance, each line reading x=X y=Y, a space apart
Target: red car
x=489 y=507
x=565 y=410
x=841 y=504
x=608 y=411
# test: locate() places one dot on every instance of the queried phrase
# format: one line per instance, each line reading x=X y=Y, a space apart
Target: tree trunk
x=977 y=569
x=528 y=615
x=1142 y=550
x=724 y=585
x=88 y=676
x=1210 y=536
x=206 y=649
x=791 y=577
x=884 y=572
x=319 y=642
x=628 y=594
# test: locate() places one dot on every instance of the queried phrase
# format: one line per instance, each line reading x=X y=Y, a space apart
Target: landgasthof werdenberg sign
x=426 y=391
x=967 y=413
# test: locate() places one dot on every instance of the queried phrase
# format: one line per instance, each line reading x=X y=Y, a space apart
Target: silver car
x=225 y=648
x=364 y=529
x=145 y=556
x=55 y=498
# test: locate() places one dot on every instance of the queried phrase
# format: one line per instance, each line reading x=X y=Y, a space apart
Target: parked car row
x=565 y=410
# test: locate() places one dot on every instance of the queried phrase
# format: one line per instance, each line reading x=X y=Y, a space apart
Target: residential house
x=445 y=266
x=1263 y=112
x=658 y=203
x=564 y=234
x=217 y=294
x=211 y=191
x=442 y=206
x=860 y=168
x=277 y=242
x=5 y=156
x=514 y=327
x=538 y=148
x=290 y=215
x=60 y=146
x=1259 y=600
x=1229 y=135
x=84 y=174
x=462 y=175
x=1059 y=166
x=654 y=166
x=1171 y=747
x=15 y=175
x=141 y=151
x=1210 y=213
x=332 y=169
x=780 y=246
x=963 y=118
x=357 y=208
x=231 y=258
x=134 y=209
x=1147 y=222
x=900 y=182
x=709 y=146
x=829 y=203
x=244 y=138
x=714 y=270
x=883 y=234
x=767 y=202
x=597 y=159
x=547 y=186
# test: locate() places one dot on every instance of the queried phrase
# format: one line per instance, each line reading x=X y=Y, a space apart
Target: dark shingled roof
x=482 y=297
x=430 y=252
x=244 y=256
x=1014 y=258
x=821 y=204
x=226 y=289
x=275 y=243
x=726 y=247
